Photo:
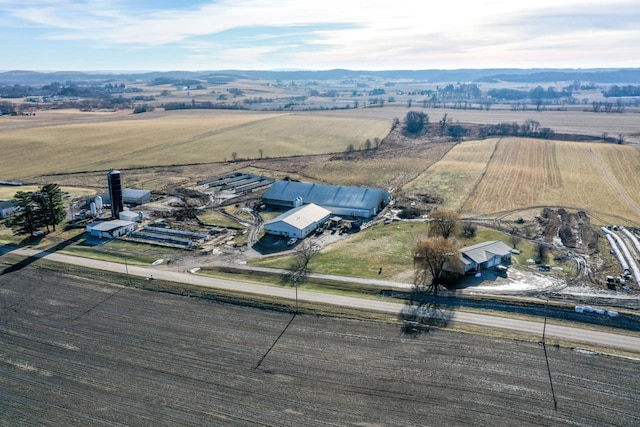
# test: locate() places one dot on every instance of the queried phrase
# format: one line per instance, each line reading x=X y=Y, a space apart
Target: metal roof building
x=130 y=196
x=485 y=255
x=298 y=222
x=340 y=200
x=111 y=229
x=7 y=208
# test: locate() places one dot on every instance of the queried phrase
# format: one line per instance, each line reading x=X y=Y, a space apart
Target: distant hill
x=613 y=76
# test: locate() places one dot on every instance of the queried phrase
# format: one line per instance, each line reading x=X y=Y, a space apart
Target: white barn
x=111 y=229
x=298 y=222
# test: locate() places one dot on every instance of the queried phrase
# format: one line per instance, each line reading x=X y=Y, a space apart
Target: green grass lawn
x=219 y=220
x=387 y=247
x=93 y=253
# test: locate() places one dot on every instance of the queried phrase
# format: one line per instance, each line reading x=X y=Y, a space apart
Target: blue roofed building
x=358 y=202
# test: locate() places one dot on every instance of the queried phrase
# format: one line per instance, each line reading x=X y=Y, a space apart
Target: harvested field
x=578 y=122
x=513 y=174
x=160 y=139
x=528 y=172
x=455 y=176
x=146 y=358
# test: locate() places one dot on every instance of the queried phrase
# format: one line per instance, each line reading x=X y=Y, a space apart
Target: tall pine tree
x=52 y=208
x=26 y=219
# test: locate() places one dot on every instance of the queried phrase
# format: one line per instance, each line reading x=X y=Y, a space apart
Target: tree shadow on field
x=33 y=258
x=424 y=312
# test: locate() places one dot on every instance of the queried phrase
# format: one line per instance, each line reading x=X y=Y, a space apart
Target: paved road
x=605 y=339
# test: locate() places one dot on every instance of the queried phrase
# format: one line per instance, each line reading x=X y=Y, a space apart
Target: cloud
x=340 y=33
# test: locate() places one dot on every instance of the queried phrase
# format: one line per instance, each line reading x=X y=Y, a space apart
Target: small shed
x=298 y=222
x=111 y=229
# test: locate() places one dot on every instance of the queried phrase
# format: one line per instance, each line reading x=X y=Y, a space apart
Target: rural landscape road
x=605 y=339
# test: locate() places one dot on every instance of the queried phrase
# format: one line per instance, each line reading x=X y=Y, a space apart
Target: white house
x=298 y=222
x=485 y=255
x=111 y=229
x=6 y=209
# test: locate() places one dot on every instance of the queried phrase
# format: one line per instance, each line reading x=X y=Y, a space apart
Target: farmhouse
x=345 y=201
x=111 y=229
x=6 y=209
x=485 y=255
x=298 y=222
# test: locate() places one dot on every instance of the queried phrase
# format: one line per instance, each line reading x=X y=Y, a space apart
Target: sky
x=197 y=35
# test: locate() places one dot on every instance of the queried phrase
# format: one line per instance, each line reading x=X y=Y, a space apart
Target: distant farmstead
x=298 y=222
x=485 y=255
x=345 y=201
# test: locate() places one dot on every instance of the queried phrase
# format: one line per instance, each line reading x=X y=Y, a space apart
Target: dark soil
x=79 y=351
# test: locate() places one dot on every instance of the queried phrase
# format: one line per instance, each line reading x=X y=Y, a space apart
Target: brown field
x=578 y=122
x=455 y=176
x=176 y=138
x=84 y=352
x=600 y=178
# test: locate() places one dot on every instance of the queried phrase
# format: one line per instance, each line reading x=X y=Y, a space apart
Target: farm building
x=346 y=201
x=6 y=209
x=130 y=196
x=298 y=222
x=130 y=216
x=485 y=255
x=111 y=229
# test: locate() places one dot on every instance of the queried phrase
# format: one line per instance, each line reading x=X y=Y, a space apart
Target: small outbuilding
x=7 y=208
x=485 y=255
x=111 y=229
x=298 y=222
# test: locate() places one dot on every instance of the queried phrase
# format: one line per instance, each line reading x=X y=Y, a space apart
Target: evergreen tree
x=26 y=219
x=51 y=204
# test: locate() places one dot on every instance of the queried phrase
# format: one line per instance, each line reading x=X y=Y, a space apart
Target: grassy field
x=489 y=177
x=176 y=138
x=383 y=246
x=8 y=192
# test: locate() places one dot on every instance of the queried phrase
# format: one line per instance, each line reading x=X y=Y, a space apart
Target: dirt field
x=75 y=352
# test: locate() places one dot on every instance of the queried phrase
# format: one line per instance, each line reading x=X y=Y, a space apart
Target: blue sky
x=93 y=35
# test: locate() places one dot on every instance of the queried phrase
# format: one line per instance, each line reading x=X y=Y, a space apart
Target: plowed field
x=75 y=352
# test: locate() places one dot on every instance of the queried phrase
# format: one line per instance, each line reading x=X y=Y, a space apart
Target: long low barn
x=345 y=201
x=298 y=222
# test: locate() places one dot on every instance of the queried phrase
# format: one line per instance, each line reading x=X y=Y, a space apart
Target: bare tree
x=430 y=257
x=304 y=253
x=234 y=156
x=469 y=229
x=367 y=144
x=261 y=151
x=514 y=237
x=443 y=222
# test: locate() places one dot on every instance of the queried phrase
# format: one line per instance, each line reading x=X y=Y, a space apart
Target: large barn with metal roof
x=345 y=201
x=298 y=222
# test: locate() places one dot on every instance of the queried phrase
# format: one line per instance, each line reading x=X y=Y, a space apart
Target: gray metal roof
x=327 y=195
x=6 y=204
x=486 y=250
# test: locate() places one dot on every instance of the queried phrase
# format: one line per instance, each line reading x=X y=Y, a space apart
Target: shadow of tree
x=424 y=312
x=33 y=258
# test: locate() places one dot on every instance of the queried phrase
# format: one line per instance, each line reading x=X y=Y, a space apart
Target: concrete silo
x=115 y=193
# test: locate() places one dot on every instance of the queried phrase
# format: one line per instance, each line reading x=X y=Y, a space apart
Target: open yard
x=174 y=138
x=77 y=351
x=489 y=177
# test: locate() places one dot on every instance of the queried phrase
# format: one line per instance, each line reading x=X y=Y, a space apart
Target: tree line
x=34 y=210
